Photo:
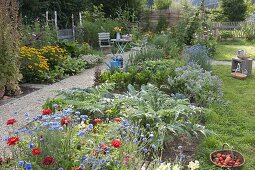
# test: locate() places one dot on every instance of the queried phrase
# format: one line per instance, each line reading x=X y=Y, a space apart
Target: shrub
x=199 y=54
x=226 y=34
x=198 y=85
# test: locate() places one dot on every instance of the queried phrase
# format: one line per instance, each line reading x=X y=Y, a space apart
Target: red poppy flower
x=98 y=121
x=116 y=143
x=65 y=120
x=48 y=160
x=36 y=151
x=117 y=119
x=46 y=111
x=11 y=121
x=12 y=140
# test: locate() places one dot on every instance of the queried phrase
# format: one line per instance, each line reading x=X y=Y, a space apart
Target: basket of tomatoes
x=227 y=158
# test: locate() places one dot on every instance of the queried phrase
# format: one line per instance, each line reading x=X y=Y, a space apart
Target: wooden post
x=56 y=22
x=47 y=18
x=73 y=27
x=80 y=18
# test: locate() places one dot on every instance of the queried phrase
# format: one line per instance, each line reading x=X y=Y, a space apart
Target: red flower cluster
x=11 y=121
x=13 y=140
x=46 y=111
x=65 y=120
x=36 y=151
x=48 y=160
x=117 y=119
x=116 y=143
x=98 y=121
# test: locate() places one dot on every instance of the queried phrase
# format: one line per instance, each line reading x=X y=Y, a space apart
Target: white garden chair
x=104 y=40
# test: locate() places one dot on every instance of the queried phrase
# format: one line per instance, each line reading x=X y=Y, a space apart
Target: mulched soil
x=188 y=145
x=25 y=91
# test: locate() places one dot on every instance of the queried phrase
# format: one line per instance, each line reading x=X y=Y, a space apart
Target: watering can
x=116 y=62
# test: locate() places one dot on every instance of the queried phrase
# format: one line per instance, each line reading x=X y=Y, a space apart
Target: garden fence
x=229 y=25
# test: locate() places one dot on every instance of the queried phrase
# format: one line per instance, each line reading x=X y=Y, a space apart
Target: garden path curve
x=32 y=102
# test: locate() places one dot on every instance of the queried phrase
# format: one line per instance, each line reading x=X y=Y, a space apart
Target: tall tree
x=234 y=10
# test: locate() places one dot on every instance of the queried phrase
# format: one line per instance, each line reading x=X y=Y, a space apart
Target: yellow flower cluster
x=32 y=59
x=54 y=54
x=41 y=60
x=117 y=29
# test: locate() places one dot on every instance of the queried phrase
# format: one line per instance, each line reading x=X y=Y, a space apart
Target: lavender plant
x=199 y=54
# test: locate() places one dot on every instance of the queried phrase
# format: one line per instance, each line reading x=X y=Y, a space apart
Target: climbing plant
x=9 y=38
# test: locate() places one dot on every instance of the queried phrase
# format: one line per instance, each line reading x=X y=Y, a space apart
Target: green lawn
x=234 y=123
x=228 y=51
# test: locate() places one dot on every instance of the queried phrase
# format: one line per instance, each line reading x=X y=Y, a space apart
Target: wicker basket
x=234 y=154
x=238 y=75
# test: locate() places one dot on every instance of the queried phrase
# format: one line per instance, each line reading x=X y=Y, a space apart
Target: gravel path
x=32 y=102
x=214 y=62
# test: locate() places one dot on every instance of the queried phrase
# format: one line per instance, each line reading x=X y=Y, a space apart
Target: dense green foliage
x=234 y=10
x=155 y=72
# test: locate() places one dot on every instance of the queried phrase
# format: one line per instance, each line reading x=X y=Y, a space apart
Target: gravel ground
x=32 y=102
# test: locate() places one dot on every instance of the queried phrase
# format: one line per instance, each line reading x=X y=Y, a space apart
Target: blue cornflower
x=57 y=118
x=45 y=124
x=151 y=135
x=84 y=117
x=142 y=135
x=90 y=126
x=30 y=132
x=28 y=166
x=61 y=128
x=84 y=158
x=95 y=164
x=81 y=133
x=55 y=105
x=145 y=150
x=144 y=139
x=135 y=141
x=82 y=166
x=21 y=163
x=60 y=168
x=56 y=126
x=31 y=146
x=26 y=114
x=23 y=129
x=78 y=118
x=102 y=161
x=16 y=131
x=77 y=113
